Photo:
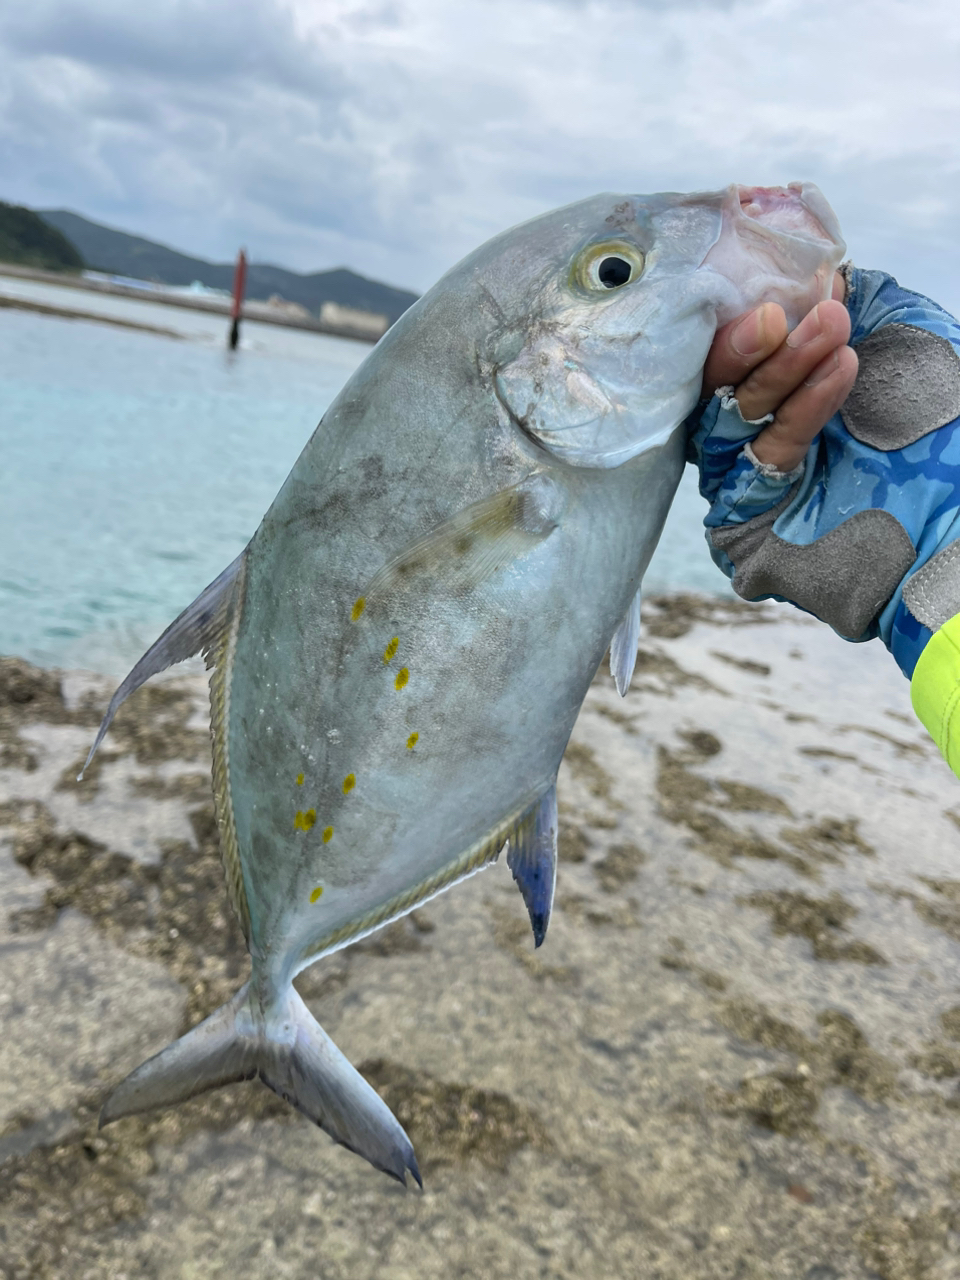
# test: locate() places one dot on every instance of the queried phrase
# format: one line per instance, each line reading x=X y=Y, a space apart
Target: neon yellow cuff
x=935 y=691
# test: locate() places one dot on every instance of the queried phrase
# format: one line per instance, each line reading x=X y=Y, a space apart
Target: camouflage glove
x=863 y=531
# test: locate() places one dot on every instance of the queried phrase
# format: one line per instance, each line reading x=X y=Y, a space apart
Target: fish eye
x=604 y=267
x=612 y=272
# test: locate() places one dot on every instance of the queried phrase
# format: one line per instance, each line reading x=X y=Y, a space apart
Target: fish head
x=608 y=307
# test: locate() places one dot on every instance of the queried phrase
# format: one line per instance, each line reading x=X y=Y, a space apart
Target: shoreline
x=68 y=313
x=255 y=310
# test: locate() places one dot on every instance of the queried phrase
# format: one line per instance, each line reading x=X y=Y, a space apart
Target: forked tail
x=288 y=1050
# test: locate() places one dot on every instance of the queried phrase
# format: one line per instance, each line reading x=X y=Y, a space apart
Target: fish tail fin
x=286 y=1048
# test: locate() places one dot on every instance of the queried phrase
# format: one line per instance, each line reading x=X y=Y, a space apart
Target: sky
x=393 y=136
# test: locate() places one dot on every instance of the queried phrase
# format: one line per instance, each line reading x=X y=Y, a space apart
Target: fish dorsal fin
x=468 y=548
x=532 y=858
x=623 y=647
x=199 y=629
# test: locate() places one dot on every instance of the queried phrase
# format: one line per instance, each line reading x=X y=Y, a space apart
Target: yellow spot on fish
x=304 y=821
x=391 y=649
x=403 y=675
x=317 y=893
x=412 y=741
x=299 y=779
x=349 y=782
x=359 y=605
x=327 y=834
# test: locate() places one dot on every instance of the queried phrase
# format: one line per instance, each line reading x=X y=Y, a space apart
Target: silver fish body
x=402 y=650
x=492 y=667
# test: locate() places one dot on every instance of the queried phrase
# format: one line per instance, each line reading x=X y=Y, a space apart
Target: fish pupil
x=613 y=272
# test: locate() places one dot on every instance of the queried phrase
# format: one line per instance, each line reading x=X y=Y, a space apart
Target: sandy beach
x=737 y=1053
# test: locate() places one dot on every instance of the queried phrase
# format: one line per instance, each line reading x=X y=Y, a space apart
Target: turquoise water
x=134 y=467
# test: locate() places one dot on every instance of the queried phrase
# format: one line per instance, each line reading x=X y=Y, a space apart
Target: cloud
x=393 y=137
x=171 y=42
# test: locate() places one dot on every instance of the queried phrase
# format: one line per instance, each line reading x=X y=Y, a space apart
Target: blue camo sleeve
x=841 y=475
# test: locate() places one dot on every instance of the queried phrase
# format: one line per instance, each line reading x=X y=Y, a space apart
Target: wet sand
x=737 y=1053
x=71 y=313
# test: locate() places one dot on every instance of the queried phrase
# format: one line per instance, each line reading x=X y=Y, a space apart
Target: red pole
x=239 y=288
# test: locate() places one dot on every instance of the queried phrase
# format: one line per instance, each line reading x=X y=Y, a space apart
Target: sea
x=136 y=463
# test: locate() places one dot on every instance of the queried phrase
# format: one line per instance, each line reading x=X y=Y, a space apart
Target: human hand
x=802 y=378
x=854 y=515
x=792 y=516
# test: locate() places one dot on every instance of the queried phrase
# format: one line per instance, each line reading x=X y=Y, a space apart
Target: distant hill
x=121 y=254
x=29 y=241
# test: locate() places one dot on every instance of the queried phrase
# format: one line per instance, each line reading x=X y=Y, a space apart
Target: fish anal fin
x=623 y=647
x=532 y=857
x=468 y=548
x=199 y=629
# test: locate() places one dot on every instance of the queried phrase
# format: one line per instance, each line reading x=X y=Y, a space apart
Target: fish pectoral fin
x=469 y=547
x=532 y=857
x=290 y=1052
x=199 y=629
x=623 y=647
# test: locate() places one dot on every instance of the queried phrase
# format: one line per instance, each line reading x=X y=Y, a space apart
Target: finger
x=742 y=344
x=805 y=413
x=822 y=330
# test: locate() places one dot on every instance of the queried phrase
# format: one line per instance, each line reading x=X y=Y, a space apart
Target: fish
x=401 y=651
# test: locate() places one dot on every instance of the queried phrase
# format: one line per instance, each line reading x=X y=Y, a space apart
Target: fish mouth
x=796 y=210
x=776 y=243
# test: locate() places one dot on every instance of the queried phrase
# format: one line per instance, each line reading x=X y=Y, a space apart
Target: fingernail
x=823 y=370
x=750 y=334
x=808 y=329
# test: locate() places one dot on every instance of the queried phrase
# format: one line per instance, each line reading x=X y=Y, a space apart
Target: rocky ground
x=736 y=1055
